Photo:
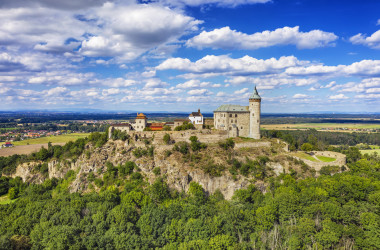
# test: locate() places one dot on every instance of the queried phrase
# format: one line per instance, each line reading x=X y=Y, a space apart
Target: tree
x=166 y=139
x=307 y=147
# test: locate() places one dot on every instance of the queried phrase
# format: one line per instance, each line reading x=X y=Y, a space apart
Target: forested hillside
x=340 y=211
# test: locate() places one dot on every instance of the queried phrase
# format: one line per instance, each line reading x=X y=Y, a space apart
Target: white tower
x=254 y=115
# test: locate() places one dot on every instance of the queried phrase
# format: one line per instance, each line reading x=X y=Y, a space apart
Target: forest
x=340 y=211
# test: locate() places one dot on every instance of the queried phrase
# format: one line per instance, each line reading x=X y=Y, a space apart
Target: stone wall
x=225 y=120
x=204 y=135
x=340 y=160
x=252 y=144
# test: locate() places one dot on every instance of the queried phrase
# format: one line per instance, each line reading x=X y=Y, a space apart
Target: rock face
x=175 y=168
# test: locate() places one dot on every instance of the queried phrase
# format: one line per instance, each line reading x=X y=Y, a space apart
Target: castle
x=240 y=120
x=233 y=120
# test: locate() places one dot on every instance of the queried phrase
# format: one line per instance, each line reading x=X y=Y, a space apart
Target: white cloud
x=155 y=83
x=300 y=96
x=272 y=81
x=364 y=68
x=225 y=38
x=199 y=92
x=338 y=97
x=242 y=91
x=193 y=84
x=111 y=91
x=225 y=65
x=372 y=41
x=223 y=3
x=128 y=31
x=117 y=82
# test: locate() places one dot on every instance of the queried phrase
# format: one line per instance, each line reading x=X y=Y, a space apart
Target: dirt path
x=25 y=149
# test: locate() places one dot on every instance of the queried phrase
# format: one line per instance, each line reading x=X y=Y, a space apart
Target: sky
x=181 y=55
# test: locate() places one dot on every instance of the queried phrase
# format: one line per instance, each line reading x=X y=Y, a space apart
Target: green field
x=53 y=139
x=325 y=158
x=5 y=200
x=319 y=126
x=370 y=151
x=303 y=155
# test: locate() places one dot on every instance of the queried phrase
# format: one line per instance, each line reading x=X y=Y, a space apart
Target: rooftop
x=232 y=108
x=255 y=95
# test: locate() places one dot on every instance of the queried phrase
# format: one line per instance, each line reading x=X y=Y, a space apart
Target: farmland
x=342 y=127
x=53 y=139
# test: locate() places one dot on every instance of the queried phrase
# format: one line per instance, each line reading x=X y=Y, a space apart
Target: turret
x=254 y=116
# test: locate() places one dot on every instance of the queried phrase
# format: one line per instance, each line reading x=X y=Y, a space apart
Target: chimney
x=199 y=111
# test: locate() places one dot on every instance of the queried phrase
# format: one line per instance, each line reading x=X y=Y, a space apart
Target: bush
x=182 y=147
x=157 y=171
x=166 y=139
x=167 y=128
x=227 y=144
x=185 y=126
x=307 y=147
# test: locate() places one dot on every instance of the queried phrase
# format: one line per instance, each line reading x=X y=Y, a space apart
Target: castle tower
x=254 y=116
x=141 y=122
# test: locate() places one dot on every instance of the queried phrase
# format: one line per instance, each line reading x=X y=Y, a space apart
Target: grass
x=319 y=126
x=325 y=158
x=5 y=200
x=370 y=151
x=53 y=139
x=303 y=155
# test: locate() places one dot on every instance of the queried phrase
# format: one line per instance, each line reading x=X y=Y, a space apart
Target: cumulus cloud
x=226 y=65
x=199 y=92
x=364 y=68
x=241 y=91
x=128 y=31
x=225 y=38
x=271 y=82
x=155 y=83
x=194 y=84
x=300 y=96
x=372 y=41
x=338 y=97
x=222 y=3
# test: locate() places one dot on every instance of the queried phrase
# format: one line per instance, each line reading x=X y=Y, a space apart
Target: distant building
x=196 y=118
x=8 y=145
x=240 y=120
x=140 y=122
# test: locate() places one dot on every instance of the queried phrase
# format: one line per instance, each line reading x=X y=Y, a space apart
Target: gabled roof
x=195 y=114
x=232 y=108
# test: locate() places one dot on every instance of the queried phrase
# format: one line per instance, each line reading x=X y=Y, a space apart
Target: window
x=235 y=121
x=230 y=115
x=232 y=121
x=235 y=115
x=230 y=128
x=241 y=127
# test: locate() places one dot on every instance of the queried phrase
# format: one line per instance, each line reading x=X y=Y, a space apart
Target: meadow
x=53 y=139
x=320 y=126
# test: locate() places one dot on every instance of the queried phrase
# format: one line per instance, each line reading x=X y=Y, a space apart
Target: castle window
x=235 y=115
x=230 y=128
x=235 y=121
x=241 y=127
x=230 y=115
x=232 y=121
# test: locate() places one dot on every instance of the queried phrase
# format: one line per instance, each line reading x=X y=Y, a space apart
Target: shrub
x=166 y=139
x=182 y=147
x=157 y=171
x=167 y=128
x=227 y=144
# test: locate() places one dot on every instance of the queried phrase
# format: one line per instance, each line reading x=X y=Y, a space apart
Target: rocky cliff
x=211 y=167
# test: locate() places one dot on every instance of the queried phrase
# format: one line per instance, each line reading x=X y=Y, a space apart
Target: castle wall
x=206 y=136
x=226 y=120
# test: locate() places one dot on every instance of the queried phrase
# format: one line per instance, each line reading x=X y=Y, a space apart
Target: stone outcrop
x=177 y=172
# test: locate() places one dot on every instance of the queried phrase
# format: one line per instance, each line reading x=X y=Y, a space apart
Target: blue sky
x=167 y=55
